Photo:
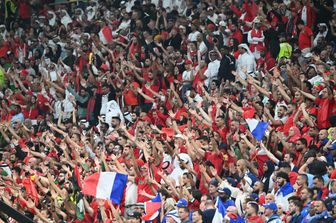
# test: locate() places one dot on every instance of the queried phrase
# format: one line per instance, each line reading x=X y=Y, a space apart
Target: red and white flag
x=105 y=35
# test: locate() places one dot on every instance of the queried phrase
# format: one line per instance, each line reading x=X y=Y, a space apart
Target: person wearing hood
x=323 y=32
x=266 y=179
x=246 y=63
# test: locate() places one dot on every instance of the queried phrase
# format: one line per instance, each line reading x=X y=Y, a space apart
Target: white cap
x=222 y=23
x=308 y=55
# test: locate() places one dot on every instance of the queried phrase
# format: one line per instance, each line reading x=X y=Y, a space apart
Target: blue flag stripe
x=118 y=188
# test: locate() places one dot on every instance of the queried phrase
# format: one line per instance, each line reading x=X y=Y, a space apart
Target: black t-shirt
x=322 y=14
x=208 y=215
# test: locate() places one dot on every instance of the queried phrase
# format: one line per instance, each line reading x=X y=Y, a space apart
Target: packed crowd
x=161 y=91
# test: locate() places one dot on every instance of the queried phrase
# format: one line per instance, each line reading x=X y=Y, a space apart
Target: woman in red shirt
x=30 y=111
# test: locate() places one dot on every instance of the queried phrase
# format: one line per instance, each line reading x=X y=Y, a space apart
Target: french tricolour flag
x=220 y=212
x=106 y=185
x=152 y=208
x=257 y=128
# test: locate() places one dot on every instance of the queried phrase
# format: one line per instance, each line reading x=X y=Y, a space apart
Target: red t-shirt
x=216 y=158
x=143 y=185
x=129 y=96
x=305 y=38
x=254 y=219
x=30 y=113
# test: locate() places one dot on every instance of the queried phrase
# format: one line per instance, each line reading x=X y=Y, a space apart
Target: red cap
x=24 y=72
x=104 y=67
x=187 y=62
x=211 y=27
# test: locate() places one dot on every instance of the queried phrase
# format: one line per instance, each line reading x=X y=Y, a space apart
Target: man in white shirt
x=212 y=16
x=245 y=62
x=194 y=33
x=212 y=71
x=187 y=78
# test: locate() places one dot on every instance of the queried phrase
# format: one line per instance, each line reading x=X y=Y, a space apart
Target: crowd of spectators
x=160 y=90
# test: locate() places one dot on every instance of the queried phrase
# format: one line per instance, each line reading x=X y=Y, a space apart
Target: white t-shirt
x=193 y=36
x=187 y=75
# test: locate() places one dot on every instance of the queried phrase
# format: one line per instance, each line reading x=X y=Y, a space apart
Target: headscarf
x=296 y=135
x=66 y=19
x=52 y=21
x=177 y=172
x=91 y=13
x=267 y=175
x=319 y=34
x=245 y=46
x=4 y=33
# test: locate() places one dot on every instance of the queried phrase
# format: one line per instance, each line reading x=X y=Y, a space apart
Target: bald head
x=269 y=198
x=232 y=209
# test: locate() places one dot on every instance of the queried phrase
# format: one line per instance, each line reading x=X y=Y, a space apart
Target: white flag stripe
x=252 y=123
x=105 y=184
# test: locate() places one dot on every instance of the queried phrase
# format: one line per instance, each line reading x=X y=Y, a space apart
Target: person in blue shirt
x=224 y=194
x=306 y=196
x=271 y=210
x=18 y=115
x=295 y=208
x=321 y=213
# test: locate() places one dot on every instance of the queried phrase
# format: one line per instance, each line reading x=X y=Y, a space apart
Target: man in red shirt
x=306 y=37
x=252 y=209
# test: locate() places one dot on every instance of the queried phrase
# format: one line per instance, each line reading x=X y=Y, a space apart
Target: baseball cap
x=308 y=55
x=182 y=203
x=134 y=214
x=225 y=190
x=188 y=62
x=222 y=23
x=271 y=206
